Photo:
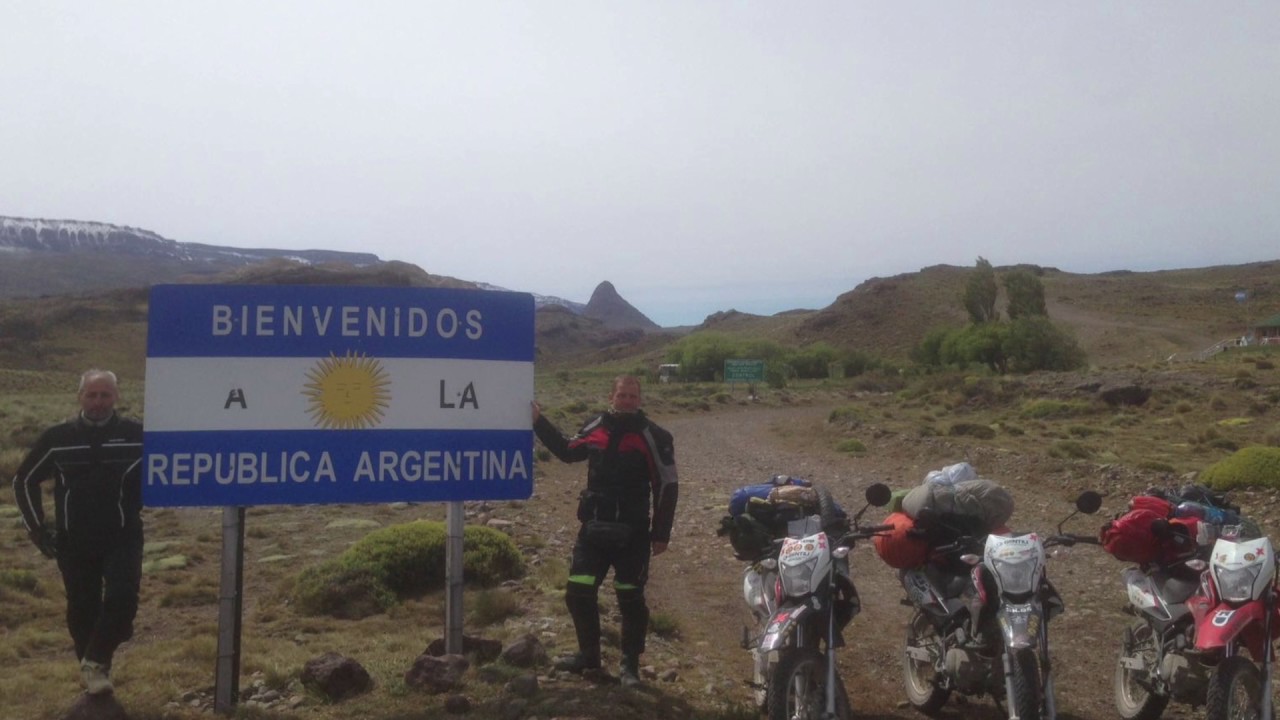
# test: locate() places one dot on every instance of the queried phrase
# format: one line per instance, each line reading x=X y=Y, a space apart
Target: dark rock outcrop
x=607 y=306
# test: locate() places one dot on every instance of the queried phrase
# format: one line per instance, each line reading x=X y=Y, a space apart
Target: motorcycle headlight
x=1236 y=585
x=798 y=579
x=1015 y=578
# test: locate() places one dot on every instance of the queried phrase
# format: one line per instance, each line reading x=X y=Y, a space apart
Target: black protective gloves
x=45 y=542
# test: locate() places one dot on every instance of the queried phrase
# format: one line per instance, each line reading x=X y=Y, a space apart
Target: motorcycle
x=1158 y=662
x=802 y=598
x=1235 y=609
x=980 y=626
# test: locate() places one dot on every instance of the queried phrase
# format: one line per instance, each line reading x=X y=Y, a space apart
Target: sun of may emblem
x=347 y=392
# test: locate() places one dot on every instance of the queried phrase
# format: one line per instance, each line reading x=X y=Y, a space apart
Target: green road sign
x=747 y=371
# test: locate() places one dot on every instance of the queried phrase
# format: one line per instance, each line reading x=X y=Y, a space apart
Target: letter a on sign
x=236 y=396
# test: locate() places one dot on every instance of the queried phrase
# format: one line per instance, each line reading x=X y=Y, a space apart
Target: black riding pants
x=587 y=570
x=102 y=582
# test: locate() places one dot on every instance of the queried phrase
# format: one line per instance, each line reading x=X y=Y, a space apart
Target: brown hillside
x=1119 y=317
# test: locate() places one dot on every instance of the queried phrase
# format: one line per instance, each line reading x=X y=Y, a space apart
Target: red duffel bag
x=1129 y=537
x=898 y=548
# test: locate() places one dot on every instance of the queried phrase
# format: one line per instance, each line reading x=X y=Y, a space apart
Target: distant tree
x=982 y=344
x=1035 y=343
x=1026 y=295
x=980 y=293
x=929 y=351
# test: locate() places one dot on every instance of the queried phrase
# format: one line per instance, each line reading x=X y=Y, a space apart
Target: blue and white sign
x=304 y=394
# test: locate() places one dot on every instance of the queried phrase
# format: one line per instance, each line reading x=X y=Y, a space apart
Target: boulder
x=436 y=675
x=336 y=677
x=484 y=649
x=1128 y=394
x=526 y=651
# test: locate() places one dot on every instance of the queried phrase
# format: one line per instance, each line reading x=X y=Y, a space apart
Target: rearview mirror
x=1088 y=502
x=879 y=494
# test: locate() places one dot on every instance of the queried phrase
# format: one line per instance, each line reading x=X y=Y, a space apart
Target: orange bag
x=899 y=549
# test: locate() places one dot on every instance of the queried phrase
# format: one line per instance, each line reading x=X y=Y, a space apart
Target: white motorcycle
x=986 y=630
x=802 y=600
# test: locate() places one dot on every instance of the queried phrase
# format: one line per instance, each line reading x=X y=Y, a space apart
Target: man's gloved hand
x=44 y=541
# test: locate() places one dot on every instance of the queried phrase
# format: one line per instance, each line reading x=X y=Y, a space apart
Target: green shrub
x=343 y=590
x=852 y=445
x=1183 y=407
x=845 y=416
x=1046 y=408
x=1083 y=431
x=982 y=432
x=664 y=625
x=24 y=581
x=542 y=454
x=1222 y=443
x=490 y=607
x=402 y=561
x=1254 y=466
x=1070 y=450
x=1126 y=420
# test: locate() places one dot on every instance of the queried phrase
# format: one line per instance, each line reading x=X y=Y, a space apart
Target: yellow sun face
x=347 y=392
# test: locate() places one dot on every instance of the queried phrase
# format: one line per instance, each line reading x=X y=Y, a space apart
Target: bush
x=402 y=561
x=1254 y=466
x=664 y=625
x=1070 y=450
x=490 y=607
x=852 y=445
x=982 y=432
x=845 y=416
x=1045 y=408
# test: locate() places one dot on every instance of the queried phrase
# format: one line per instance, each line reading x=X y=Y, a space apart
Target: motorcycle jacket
x=97 y=479
x=631 y=468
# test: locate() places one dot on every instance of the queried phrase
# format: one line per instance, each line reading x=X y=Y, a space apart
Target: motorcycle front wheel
x=1133 y=700
x=797 y=688
x=920 y=661
x=1235 y=691
x=1025 y=683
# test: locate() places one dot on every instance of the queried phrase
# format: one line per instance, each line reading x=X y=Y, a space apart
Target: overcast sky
x=702 y=156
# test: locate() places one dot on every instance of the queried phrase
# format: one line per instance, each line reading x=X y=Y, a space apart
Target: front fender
x=1021 y=625
x=778 y=629
x=1224 y=625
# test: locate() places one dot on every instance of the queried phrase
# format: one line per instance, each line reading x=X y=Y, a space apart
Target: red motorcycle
x=1236 y=610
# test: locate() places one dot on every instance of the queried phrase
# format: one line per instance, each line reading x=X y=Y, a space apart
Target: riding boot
x=635 y=621
x=584 y=607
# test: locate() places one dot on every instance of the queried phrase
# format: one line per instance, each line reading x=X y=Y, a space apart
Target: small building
x=1266 y=332
x=666 y=371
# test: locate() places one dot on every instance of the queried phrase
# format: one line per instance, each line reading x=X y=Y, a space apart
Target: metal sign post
x=226 y=686
x=453 y=580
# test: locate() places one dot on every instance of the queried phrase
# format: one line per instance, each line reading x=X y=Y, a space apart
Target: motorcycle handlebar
x=1069 y=539
x=863 y=533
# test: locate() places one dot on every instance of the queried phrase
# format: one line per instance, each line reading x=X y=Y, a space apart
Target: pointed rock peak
x=604 y=291
x=608 y=306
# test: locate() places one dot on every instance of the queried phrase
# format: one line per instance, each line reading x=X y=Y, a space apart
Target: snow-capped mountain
x=50 y=257
x=19 y=235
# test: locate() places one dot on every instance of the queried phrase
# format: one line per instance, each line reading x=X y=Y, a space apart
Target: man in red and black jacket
x=631 y=470
x=96 y=536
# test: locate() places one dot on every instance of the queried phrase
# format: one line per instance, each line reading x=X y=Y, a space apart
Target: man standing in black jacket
x=630 y=462
x=95 y=462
